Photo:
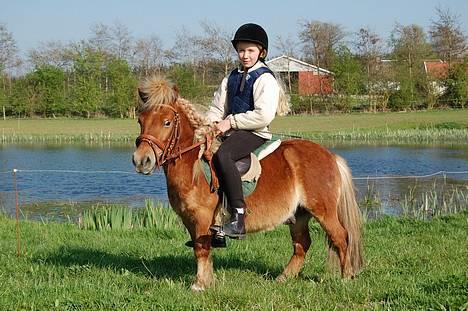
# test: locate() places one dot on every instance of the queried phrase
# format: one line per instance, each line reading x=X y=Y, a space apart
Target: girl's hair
x=283 y=100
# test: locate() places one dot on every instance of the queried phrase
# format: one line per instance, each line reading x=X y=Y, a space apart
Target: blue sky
x=35 y=21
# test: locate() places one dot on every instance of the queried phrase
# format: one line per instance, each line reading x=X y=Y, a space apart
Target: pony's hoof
x=281 y=279
x=197 y=288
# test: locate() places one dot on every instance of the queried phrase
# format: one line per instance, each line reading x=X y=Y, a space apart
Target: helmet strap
x=244 y=77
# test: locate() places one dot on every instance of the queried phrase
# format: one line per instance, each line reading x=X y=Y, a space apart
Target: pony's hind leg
x=301 y=242
x=337 y=241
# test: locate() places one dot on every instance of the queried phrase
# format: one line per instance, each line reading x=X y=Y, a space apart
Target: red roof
x=436 y=69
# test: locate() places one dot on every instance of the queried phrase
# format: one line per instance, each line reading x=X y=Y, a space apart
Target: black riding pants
x=237 y=145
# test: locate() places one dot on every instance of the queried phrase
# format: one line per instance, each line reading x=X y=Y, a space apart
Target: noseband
x=171 y=150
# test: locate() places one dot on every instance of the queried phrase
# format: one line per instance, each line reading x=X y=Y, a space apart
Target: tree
x=87 y=93
x=148 y=56
x=121 y=44
x=320 y=40
x=101 y=38
x=113 y=40
x=8 y=50
x=287 y=46
x=410 y=49
x=123 y=84
x=185 y=49
x=447 y=37
x=53 y=53
x=23 y=97
x=369 y=49
x=456 y=84
x=348 y=74
x=206 y=53
x=218 y=42
x=182 y=75
x=48 y=82
x=8 y=61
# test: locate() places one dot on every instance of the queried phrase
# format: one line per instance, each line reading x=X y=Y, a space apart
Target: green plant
x=117 y=217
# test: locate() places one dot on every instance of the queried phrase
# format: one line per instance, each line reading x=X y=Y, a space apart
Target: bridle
x=170 y=150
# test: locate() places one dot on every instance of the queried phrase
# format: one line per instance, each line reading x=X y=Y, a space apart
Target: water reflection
x=85 y=174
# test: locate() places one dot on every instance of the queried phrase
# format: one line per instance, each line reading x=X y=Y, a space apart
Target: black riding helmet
x=252 y=33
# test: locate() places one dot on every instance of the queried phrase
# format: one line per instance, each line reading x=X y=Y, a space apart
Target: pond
x=50 y=177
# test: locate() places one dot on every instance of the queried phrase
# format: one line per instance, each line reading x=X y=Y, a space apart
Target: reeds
x=435 y=202
x=118 y=217
x=420 y=201
x=371 y=203
x=419 y=135
x=67 y=138
x=416 y=204
x=416 y=135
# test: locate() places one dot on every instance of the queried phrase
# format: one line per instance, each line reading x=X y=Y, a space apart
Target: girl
x=242 y=109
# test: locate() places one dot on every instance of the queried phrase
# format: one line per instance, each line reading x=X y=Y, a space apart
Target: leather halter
x=171 y=150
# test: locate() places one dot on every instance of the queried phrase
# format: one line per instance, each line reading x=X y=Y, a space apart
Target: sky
x=34 y=21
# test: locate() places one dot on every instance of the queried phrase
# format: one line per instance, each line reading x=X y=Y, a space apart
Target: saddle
x=249 y=167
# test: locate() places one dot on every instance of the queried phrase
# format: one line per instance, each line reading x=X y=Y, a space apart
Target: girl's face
x=248 y=53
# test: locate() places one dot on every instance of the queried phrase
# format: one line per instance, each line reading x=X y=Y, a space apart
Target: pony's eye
x=167 y=123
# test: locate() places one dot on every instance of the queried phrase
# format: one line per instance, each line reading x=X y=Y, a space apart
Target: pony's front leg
x=202 y=250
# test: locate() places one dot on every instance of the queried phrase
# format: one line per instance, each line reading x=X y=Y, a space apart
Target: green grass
x=410 y=265
x=68 y=130
x=433 y=125
x=415 y=127
x=371 y=121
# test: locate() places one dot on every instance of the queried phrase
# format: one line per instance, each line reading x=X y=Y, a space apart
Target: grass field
x=410 y=265
x=451 y=123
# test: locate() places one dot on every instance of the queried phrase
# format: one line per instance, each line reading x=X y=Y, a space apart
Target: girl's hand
x=224 y=126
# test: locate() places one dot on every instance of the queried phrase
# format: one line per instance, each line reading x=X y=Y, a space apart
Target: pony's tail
x=350 y=217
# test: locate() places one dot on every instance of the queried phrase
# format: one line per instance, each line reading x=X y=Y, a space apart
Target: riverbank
x=419 y=126
x=410 y=264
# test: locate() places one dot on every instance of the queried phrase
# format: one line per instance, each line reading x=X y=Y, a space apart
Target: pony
x=300 y=179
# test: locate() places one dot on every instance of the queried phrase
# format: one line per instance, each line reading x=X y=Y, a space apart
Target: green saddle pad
x=247 y=186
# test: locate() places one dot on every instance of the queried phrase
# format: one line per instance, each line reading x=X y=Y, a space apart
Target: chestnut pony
x=300 y=178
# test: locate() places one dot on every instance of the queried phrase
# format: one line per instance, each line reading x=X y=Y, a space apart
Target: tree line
x=97 y=76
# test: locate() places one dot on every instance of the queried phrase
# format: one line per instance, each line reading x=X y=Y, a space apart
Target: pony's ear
x=142 y=95
x=176 y=90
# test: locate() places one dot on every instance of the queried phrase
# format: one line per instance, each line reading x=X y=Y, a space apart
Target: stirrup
x=218 y=240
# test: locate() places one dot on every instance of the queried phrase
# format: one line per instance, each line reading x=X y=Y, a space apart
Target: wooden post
x=18 y=232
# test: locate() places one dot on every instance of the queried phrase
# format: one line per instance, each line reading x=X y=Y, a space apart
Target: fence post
x=17 y=214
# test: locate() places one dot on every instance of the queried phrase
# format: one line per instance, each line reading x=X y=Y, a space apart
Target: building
x=301 y=77
x=436 y=69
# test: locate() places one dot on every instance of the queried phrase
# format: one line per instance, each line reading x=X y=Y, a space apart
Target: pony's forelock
x=157 y=91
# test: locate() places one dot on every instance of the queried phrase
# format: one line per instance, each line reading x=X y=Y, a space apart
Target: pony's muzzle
x=144 y=163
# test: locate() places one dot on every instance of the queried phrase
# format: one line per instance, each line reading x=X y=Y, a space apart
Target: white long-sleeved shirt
x=265 y=95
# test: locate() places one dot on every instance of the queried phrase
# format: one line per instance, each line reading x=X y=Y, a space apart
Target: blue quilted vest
x=242 y=101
